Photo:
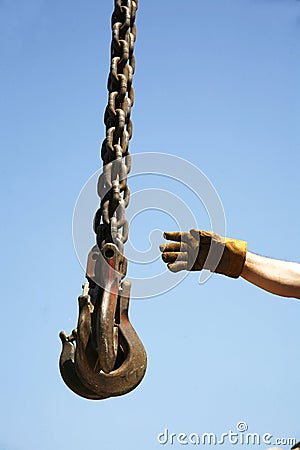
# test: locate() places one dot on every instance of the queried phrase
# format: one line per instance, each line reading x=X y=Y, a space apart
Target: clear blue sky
x=217 y=83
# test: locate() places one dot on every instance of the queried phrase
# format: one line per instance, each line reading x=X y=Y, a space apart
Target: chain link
x=110 y=224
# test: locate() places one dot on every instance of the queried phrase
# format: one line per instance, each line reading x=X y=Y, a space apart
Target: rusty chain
x=110 y=223
x=104 y=356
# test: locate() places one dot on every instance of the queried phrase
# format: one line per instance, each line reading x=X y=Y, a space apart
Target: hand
x=198 y=249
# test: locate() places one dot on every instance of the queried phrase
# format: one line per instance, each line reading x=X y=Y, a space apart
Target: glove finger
x=173 y=247
x=178 y=236
x=171 y=257
x=176 y=267
x=195 y=233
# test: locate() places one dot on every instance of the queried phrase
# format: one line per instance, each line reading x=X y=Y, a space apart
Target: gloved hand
x=197 y=250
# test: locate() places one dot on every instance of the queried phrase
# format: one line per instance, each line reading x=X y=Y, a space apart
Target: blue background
x=217 y=83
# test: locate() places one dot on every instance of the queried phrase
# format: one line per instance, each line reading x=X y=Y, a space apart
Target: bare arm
x=278 y=277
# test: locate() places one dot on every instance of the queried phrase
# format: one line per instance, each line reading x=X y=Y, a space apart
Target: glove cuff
x=237 y=251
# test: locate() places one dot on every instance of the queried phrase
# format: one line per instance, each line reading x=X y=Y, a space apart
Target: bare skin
x=275 y=276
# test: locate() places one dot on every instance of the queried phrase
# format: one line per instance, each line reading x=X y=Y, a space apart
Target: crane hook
x=104 y=356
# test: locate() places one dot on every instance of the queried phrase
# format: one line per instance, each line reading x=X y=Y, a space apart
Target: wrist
x=233 y=259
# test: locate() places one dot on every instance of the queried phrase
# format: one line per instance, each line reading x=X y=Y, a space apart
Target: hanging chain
x=104 y=356
x=110 y=224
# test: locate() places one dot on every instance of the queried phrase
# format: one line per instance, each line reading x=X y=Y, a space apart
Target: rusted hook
x=104 y=356
x=131 y=361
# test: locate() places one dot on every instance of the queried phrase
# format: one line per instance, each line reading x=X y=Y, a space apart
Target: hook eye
x=109 y=253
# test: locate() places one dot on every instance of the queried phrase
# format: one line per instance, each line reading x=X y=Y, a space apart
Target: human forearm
x=278 y=277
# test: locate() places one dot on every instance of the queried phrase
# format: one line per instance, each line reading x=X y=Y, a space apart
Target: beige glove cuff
x=233 y=259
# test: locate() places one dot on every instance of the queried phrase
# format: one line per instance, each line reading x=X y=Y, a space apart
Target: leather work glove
x=197 y=250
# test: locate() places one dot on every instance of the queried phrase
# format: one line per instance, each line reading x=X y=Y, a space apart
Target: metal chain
x=104 y=356
x=110 y=224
